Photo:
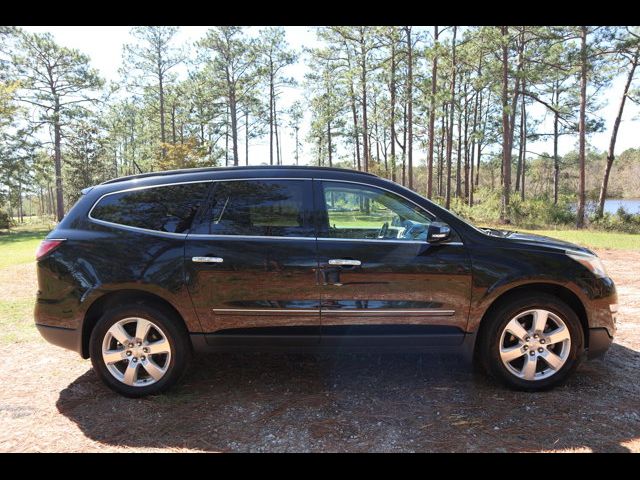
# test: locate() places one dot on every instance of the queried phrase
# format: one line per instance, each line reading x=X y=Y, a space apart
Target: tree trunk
x=270 y=113
x=506 y=127
x=520 y=145
x=459 y=156
x=173 y=123
x=582 y=125
x=466 y=145
x=614 y=136
x=162 y=132
x=451 y=112
x=444 y=121
x=226 y=137
x=392 y=92
x=246 y=135
x=355 y=124
x=58 y=160
x=478 y=100
x=523 y=140
x=297 y=144
x=365 y=129
x=330 y=147
x=384 y=151
x=432 y=114
x=275 y=127
x=376 y=127
x=556 y=160
x=410 y=106
x=404 y=145
x=481 y=139
x=20 y=206
x=234 y=126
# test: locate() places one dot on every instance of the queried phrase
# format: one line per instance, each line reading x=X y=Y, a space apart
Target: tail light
x=47 y=246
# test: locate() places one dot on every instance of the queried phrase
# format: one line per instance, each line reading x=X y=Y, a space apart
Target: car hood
x=542 y=241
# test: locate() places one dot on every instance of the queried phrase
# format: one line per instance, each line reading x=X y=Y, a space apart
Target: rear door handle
x=207 y=259
x=345 y=262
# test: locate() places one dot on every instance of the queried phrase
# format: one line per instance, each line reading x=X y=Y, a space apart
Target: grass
x=355 y=219
x=586 y=238
x=20 y=244
x=593 y=239
x=16 y=321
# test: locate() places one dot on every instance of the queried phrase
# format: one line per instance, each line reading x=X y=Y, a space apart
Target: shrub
x=5 y=221
x=621 y=221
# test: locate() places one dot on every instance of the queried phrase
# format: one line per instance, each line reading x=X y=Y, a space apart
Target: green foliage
x=538 y=212
x=5 y=220
x=175 y=106
x=621 y=221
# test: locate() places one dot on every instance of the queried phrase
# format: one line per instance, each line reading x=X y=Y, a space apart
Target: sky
x=103 y=44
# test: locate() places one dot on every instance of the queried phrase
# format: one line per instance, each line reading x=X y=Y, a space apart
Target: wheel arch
x=558 y=291
x=121 y=297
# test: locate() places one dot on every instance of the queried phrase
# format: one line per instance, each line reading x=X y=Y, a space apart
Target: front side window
x=366 y=212
x=259 y=208
x=169 y=208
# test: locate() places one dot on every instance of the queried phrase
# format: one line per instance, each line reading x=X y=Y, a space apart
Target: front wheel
x=139 y=350
x=532 y=343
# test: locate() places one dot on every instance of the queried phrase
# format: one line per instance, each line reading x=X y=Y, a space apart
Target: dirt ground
x=51 y=400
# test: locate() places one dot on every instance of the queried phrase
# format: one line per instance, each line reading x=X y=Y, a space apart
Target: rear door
x=251 y=263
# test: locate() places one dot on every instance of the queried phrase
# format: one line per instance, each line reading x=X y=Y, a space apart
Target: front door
x=380 y=281
x=251 y=263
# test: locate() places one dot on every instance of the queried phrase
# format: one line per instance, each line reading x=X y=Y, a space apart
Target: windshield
x=486 y=230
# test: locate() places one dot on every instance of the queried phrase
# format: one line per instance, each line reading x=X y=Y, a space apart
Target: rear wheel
x=139 y=350
x=532 y=342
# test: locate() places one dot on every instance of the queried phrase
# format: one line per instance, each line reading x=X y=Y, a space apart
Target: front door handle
x=345 y=262
x=207 y=260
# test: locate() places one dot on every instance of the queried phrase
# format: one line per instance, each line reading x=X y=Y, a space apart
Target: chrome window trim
x=138 y=229
x=131 y=227
x=395 y=193
x=205 y=235
x=170 y=184
x=323 y=239
x=213 y=236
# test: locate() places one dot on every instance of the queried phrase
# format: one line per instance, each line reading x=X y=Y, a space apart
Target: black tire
x=174 y=331
x=489 y=342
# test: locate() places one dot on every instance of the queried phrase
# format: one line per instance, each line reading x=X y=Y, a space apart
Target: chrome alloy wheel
x=136 y=352
x=535 y=344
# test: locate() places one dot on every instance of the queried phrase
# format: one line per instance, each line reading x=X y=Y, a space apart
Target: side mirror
x=438 y=232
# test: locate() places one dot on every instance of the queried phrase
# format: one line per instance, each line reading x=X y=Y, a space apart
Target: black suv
x=146 y=269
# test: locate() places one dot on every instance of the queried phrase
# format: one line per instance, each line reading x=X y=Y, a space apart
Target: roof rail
x=221 y=169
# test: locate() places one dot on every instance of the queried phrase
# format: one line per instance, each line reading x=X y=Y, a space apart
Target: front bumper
x=68 y=338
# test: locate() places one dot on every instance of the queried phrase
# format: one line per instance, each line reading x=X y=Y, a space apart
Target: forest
x=447 y=111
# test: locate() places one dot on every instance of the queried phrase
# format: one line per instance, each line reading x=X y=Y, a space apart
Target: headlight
x=593 y=263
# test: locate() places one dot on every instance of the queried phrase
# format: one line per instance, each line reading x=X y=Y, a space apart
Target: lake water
x=631 y=205
x=611 y=205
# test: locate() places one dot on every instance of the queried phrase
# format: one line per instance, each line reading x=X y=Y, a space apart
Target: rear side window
x=259 y=208
x=169 y=208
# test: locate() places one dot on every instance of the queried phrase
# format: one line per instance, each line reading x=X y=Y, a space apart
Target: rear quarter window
x=169 y=208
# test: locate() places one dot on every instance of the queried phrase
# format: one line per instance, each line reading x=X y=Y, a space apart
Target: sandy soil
x=51 y=400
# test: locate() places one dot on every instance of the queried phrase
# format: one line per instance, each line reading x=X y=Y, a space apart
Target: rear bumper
x=599 y=342
x=62 y=337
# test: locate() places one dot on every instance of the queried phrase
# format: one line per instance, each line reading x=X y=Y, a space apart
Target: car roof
x=252 y=168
